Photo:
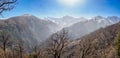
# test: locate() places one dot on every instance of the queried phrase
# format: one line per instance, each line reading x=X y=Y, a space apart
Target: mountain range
x=82 y=28
x=33 y=29
x=65 y=21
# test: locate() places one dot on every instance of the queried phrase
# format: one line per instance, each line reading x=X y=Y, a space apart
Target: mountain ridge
x=99 y=43
x=85 y=27
x=29 y=28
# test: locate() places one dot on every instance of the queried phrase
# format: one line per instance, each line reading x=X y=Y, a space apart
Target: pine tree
x=117 y=45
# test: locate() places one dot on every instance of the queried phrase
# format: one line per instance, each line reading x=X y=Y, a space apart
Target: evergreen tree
x=117 y=45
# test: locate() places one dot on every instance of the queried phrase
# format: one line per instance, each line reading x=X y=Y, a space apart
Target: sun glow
x=71 y=2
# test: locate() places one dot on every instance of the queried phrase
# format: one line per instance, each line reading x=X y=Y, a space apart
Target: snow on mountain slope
x=32 y=29
x=85 y=27
x=65 y=21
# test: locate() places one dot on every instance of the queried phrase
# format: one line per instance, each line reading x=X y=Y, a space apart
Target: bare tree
x=4 y=40
x=20 y=47
x=6 y=5
x=13 y=51
x=14 y=48
x=58 y=42
x=84 y=47
x=37 y=51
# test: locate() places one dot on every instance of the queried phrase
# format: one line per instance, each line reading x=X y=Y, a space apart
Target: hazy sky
x=58 y=8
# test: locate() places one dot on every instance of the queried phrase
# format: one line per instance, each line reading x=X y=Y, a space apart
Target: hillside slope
x=98 y=44
x=85 y=27
x=29 y=28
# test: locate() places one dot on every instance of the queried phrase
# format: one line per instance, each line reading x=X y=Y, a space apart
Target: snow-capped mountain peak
x=27 y=15
x=65 y=21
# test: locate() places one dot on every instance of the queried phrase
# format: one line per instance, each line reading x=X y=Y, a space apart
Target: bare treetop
x=6 y=5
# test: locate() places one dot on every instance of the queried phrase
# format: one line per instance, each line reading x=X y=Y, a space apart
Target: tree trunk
x=4 y=49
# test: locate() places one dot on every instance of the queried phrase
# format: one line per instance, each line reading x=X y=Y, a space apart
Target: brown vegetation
x=98 y=44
